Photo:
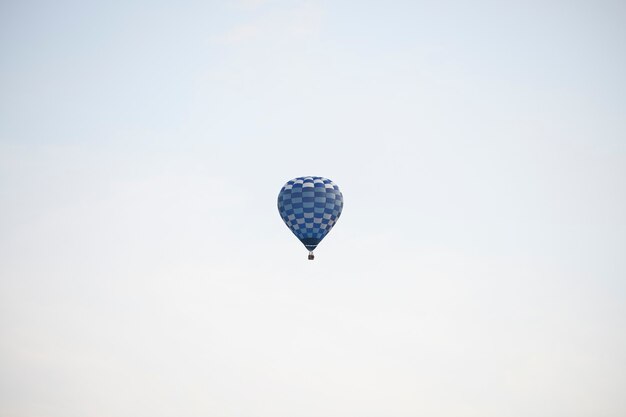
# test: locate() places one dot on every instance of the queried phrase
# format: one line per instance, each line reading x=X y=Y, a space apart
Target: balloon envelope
x=310 y=206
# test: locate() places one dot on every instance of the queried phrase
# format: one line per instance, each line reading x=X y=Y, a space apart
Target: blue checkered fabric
x=310 y=206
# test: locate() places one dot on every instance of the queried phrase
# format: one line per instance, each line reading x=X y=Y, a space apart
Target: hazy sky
x=479 y=266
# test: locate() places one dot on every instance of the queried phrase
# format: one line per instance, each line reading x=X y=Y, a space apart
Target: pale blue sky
x=478 y=268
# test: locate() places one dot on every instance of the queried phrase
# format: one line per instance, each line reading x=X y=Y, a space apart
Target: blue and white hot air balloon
x=310 y=206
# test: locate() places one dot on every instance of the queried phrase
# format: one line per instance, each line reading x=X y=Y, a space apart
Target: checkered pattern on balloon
x=310 y=207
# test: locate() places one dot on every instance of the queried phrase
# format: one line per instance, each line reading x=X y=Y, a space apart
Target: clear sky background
x=479 y=266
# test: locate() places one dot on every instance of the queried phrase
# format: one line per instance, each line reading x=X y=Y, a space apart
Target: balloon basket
x=311 y=256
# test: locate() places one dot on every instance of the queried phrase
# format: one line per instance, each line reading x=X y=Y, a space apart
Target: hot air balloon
x=310 y=206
